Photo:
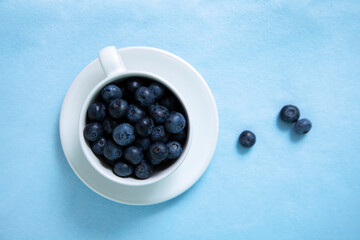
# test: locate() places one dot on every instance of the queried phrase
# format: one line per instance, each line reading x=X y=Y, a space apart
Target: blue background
x=255 y=55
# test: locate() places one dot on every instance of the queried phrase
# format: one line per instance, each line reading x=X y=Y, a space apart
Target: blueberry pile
x=136 y=127
x=291 y=114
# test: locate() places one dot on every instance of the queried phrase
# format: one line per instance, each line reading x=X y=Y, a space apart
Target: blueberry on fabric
x=289 y=113
x=302 y=126
x=247 y=139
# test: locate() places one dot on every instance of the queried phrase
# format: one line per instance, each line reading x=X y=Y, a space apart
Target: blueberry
x=112 y=152
x=96 y=111
x=118 y=108
x=93 y=131
x=135 y=113
x=169 y=102
x=157 y=89
x=133 y=84
x=175 y=149
x=98 y=146
x=143 y=170
x=133 y=155
x=302 y=126
x=123 y=91
x=181 y=136
x=247 y=139
x=144 y=126
x=144 y=96
x=175 y=123
x=124 y=134
x=159 y=113
x=158 y=152
x=109 y=125
x=143 y=143
x=289 y=113
x=159 y=134
x=123 y=169
x=111 y=92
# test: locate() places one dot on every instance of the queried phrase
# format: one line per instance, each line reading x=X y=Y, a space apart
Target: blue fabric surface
x=255 y=55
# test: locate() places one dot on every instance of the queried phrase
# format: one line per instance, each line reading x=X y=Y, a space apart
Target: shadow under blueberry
x=294 y=137
x=240 y=149
x=283 y=126
x=86 y=209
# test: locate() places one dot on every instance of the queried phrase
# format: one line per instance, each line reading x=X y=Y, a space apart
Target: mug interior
x=107 y=171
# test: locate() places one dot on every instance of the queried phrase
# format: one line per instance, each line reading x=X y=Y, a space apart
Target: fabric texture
x=256 y=56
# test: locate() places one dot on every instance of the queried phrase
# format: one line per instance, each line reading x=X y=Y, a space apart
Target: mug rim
x=95 y=162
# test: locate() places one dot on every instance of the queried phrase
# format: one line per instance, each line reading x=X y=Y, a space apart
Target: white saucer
x=201 y=105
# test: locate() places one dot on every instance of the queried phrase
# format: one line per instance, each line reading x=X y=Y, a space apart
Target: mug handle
x=111 y=61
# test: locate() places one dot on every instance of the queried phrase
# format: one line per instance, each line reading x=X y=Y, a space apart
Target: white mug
x=115 y=70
